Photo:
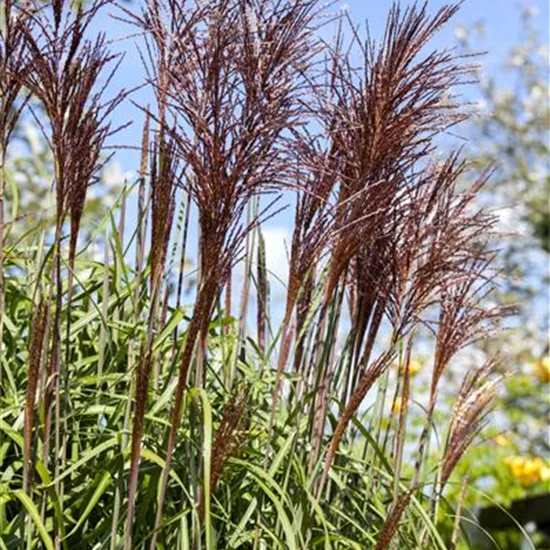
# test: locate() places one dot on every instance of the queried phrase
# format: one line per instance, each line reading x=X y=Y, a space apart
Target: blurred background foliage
x=512 y=131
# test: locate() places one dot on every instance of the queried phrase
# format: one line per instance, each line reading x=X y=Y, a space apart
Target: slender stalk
x=458 y=514
x=181 y=269
x=204 y=301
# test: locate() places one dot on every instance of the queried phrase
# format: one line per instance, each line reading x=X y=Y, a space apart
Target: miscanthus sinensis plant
x=135 y=416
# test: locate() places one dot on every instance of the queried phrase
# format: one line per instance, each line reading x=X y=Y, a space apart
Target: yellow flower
x=397 y=406
x=528 y=470
x=502 y=440
x=414 y=368
x=542 y=369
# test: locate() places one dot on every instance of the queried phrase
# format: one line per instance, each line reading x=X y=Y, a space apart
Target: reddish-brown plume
x=164 y=179
x=14 y=64
x=230 y=96
x=229 y=439
x=406 y=234
x=477 y=394
x=384 y=538
x=381 y=121
x=69 y=74
x=36 y=347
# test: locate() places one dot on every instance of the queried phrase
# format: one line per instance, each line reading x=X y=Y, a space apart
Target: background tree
x=512 y=131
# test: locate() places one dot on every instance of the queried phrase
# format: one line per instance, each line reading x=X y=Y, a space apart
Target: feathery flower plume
x=383 y=123
x=36 y=348
x=14 y=64
x=370 y=376
x=391 y=524
x=477 y=393
x=231 y=83
x=229 y=439
x=165 y=175
x=385 y=116
x=69 y=76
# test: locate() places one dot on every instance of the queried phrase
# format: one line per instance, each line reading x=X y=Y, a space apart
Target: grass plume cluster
x=130 y=420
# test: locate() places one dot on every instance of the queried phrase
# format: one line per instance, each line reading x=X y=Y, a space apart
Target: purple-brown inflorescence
x=230 y=88
x=69 y=75
x=416 y=239
x=476 y=395
x=14 y=64
x=229 y=439
x=382 y=119
x=391 y=524
x=311 y=238
x=36 y=347
x=165 y=175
